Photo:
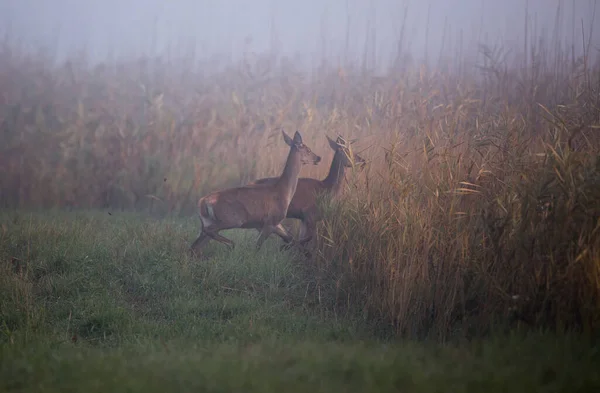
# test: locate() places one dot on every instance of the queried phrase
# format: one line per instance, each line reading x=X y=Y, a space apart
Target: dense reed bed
x=480 y=206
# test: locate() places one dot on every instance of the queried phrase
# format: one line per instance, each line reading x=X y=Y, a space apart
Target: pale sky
x=221 y=27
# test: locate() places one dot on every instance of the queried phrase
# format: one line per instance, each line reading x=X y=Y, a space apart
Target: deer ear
x=287 y=138
x=343 y=142
x=332 y=144
x=297 y=138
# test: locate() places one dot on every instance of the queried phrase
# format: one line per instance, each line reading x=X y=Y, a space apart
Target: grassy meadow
x=464 y=257
x=101 y=302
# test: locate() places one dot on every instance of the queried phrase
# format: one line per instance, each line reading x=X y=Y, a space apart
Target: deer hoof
x=307 y=253
x=197 y=255
x=285 y=247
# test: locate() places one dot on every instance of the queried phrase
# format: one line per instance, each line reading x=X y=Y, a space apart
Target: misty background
x=307 y=30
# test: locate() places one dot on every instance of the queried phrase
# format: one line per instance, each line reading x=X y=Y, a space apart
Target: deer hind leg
x=212 y=231
x=202 y=239
x=308 y=228
x=211 y=225
x=302 y=229
x=221 y=239
x=205 y=237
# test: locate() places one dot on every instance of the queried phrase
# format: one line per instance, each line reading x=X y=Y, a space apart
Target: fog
x=309 y=29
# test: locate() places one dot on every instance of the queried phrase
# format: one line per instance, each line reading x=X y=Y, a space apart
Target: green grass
x=98 y=302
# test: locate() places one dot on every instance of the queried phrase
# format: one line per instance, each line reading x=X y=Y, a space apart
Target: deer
x=261 y=206
x=304 y=203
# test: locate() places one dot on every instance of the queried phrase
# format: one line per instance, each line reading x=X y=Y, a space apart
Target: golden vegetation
x=480 y=206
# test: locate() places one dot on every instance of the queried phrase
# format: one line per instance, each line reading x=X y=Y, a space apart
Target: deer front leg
x=283 y=233
x=285 y=236
x=264 y=234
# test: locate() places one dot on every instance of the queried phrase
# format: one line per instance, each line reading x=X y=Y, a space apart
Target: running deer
x=261 y=206
x=304 y=203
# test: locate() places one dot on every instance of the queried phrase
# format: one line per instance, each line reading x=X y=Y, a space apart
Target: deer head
x=349 y=158
x=306 y=155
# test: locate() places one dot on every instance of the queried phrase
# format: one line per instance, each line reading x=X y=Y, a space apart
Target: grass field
x=99 y=302
x=464 y=257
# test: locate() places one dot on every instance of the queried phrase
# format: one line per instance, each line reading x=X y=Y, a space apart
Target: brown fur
x=304 y=202
x=260 y=206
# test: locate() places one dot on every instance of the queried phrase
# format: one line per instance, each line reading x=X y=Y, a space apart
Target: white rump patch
x=207 y=221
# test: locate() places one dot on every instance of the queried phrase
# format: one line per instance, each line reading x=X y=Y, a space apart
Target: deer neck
x=288 y=180
x=334 y=179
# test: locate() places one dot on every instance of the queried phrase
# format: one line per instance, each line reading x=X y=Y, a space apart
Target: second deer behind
x=304 y=203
